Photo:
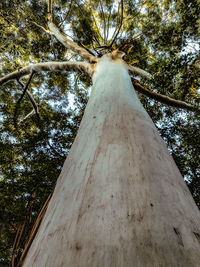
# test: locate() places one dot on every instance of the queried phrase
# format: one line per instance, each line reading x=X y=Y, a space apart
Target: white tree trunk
x=120 y=200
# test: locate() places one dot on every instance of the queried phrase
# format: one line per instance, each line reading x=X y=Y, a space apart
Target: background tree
x=167 y=45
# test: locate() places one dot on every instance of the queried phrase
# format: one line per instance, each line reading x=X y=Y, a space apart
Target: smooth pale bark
x=120 y=200
x=47 y=66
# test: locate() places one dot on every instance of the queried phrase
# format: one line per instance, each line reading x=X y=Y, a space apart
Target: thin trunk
x=120 y=200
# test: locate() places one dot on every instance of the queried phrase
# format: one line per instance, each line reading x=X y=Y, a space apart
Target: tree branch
x=41 y=27
x=104 y=21
x=34 y=104
x=55 y=151
x=98 y=31
x=108 y=25
x=27 y=116
x=162 y=98
x=137 y=71
x=25 y=89
x=121 y=22
x=49 y=11
x=21 y=97
x=47 y=66
x=70 y=44
x=66 y=42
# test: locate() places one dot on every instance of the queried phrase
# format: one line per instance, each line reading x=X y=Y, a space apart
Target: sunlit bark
x=46 y=66
x=120 y=200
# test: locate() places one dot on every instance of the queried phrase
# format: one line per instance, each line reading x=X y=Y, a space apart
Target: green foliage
x=167 y=45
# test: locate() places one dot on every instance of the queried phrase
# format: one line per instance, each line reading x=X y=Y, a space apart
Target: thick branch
x=70 y=44
x=47 y=66
x=137 y=71
x=162 y=98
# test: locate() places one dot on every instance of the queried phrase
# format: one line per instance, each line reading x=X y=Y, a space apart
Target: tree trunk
x=120 y=200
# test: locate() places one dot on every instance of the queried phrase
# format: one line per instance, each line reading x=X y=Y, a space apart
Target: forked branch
x=65 y=41
x=70 y=44
x=25 y=89
x=162 y=98
x=47 y=66
x=21 y=97
x=32 y=100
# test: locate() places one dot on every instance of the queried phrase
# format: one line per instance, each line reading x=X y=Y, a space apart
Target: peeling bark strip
x=197 y=235
x=100 y=213
x=47 y=66
x=70 y=44
x=179 y=238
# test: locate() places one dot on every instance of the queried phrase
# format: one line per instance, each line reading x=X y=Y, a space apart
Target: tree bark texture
x=120 y=200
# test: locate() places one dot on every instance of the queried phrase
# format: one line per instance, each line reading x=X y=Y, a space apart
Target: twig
x=27 y=116
x=55 y=151
x=89 y=51
x=41 y=27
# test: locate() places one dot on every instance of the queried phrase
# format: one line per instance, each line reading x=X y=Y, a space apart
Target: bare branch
x=55 y=151
x=34 y=104
x=121 y=22
x=21 y=97
x=98 y=31
x=137 y=71
x=162 y=98
x=25 y=89
x=70 y=44
x=104 y=21
x=27 y=116
x=65 y=41
x=41 y=27
x=82 y=45
x=108 y=25
x=47 y=66
x=49 y=11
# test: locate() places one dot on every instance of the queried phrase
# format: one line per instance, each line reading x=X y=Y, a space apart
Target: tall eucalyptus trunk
x=120 y=200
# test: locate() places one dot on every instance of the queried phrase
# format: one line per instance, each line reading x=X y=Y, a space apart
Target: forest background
x=161 y=37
